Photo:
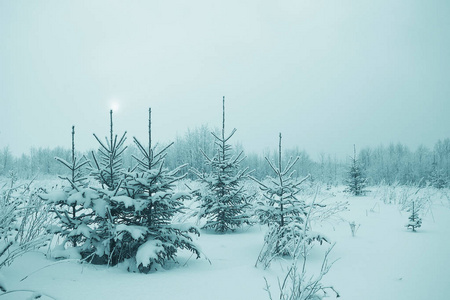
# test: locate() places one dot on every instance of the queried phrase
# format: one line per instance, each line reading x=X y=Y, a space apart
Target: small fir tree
x=145 y=232
x=437 y=177
x=356 y=181
x=109 y=173
x=129 y=217
x=283 y=211
x=414 y=220
x=70 y=202
x=225 y=202
x=108 y=169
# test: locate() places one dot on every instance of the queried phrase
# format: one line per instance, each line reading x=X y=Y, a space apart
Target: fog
x=327 y=74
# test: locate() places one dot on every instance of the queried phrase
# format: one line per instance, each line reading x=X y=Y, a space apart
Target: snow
x=147 y=251
x=3 y=286
x=185 y=226
x=384 y=260
x=81 y=229
x=55 y=196
x=136 y=232
x=61 y=252
x=100 y=206
x=180 y=195
x=83 y=197
x=125 y=200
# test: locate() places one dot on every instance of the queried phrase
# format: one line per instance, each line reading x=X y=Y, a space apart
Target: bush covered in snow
x=23 y=217
x=299 y=285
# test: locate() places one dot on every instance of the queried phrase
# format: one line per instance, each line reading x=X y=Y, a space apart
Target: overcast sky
x=327 y=74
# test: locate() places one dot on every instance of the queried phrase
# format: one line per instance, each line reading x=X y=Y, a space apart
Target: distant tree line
x=39 y=161
x=393 y=164
x=398 y=164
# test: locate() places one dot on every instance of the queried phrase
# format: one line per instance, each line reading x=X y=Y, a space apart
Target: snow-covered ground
x=383 y=260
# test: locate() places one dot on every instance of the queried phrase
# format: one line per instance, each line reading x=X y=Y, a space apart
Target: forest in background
x=395 y=163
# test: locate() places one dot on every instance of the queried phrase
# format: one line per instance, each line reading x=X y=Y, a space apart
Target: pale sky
x=327 y=74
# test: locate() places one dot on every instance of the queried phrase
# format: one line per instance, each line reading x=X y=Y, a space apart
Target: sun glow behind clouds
x=115 y=105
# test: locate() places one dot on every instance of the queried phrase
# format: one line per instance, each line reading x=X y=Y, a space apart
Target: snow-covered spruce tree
x=108 y=171
x=145 y=235
x=108 y=166
x=70 y=202
x=356 y=181
x=224 y=203
x=85 y=212
x=283 y=211
x=414 y=220
x=437 y=177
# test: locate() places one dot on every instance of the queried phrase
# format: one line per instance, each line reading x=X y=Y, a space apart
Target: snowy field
x=383 y=260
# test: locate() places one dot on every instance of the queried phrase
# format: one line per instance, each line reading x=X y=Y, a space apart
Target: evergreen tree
x=225 y=202
x=108 y=169
x=145 y=233
x=414 y=220
x=109 y=173
x=94 y=230
x=70 y=202
x=283 y=211
x=356 y=181
x=129 y=217
x=437 y=177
